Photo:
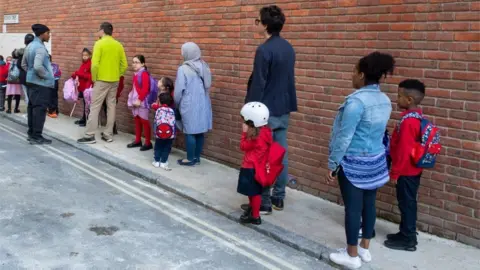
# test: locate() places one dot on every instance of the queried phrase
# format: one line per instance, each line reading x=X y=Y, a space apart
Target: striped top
x=366 y=172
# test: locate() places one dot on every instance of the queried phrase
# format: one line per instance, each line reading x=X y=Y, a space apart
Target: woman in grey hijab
x=192 y=99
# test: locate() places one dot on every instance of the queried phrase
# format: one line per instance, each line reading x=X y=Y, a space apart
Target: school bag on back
x=13 y=73
x=153 y=93
x=269 y=169
x=164 y=123
x=428 y=147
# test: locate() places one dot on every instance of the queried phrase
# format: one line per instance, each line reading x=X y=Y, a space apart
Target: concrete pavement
x=62 y=208
x=308 y=223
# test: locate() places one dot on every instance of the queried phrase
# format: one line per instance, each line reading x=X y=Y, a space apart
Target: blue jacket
x=359 y=126
x=36 y=62
x=273 y=78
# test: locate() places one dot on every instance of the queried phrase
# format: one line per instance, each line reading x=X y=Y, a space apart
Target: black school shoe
x=146 y=147
x=134 y=145
x=247 y=218
x=263 y=209
x=401 y=242
x=277 y=204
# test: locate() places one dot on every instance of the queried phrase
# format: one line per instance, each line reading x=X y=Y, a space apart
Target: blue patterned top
x=366 y=172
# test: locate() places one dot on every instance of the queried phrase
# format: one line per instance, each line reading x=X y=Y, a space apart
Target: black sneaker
x=245 y=219
x=134 y=145
x=146 y=147
x=277 y=204
x=395 y=236
x=245 y=207
x=107 y=139
x=16 y=111
x=86 y=140
x=402 y=243
x=40 y=141
x=9 y=111
x=265 y=210
x=82 y=124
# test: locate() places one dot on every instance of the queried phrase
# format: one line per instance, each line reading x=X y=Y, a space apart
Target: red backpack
x=269 y=169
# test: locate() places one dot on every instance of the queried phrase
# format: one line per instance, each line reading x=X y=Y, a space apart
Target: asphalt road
x=61 y=208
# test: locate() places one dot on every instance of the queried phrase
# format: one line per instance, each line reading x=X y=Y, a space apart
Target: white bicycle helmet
x=256 y=112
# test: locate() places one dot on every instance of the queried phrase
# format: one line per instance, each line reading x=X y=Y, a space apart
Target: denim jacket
x=359 y=126
x=36 y=63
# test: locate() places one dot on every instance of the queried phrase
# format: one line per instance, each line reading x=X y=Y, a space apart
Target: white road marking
x=77 y=162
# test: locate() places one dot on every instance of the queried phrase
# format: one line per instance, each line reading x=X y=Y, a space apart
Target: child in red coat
x=404 y=171
x=83 y=77
x=255 y=142
x=138 y=104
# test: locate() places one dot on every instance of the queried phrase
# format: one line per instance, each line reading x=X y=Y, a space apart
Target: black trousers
x=53 y=105
x=407 y=190
x=38 y=99
x=359 y=204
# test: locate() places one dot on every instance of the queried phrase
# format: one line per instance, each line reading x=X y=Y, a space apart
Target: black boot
x=402 y=242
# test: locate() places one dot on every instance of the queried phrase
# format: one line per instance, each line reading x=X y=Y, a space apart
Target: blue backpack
x=153 y=93
x=428 y=147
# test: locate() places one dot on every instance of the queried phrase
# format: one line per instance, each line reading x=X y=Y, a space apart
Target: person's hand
x=330 y=177
x=245 y=127
x=137 y=103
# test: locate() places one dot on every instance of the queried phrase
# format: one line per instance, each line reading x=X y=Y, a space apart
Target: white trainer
x=156 y=164
x=364 y=254
x=165 y=166
x=341 y=257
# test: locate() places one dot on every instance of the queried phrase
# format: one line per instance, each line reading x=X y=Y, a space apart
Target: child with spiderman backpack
x=140 y=101
x=262 y=162
x=414 y=145
x=164 y=128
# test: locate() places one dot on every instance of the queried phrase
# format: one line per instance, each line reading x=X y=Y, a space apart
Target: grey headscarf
x=192 y=57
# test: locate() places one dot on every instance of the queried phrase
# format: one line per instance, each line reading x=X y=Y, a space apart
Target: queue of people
x=358 y=158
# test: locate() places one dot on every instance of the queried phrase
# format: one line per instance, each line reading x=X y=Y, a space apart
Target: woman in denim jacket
x=357 y=154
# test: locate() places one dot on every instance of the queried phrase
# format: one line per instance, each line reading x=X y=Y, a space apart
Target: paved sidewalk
x=308 y=223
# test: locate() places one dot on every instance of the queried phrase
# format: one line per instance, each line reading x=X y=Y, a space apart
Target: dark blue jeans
x=359 y=203
x=407 y=190
x=279 y=126
x=194 y=146
x=162 y=150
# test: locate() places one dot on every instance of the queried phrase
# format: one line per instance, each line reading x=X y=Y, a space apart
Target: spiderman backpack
x=164 y=123
x=428 y=147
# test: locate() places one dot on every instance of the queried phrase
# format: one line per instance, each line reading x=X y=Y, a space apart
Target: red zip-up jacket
x=255 y=149
x=3 y=74
x=144 y=89
x=84 y=74
x=401 y=146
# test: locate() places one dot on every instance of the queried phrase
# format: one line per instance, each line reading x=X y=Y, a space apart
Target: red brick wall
x=437 y=41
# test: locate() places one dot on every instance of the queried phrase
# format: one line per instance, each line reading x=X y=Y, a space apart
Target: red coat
x=144 y=89
x=256 y=150
x=403 y=141
x=84 y=74
x=3 y=74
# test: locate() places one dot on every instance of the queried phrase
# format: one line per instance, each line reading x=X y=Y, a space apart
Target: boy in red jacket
x=404 y=172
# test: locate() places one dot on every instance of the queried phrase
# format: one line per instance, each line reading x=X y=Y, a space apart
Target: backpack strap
x=415 y=115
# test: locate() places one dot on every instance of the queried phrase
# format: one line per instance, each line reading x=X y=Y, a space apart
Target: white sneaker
x=342 y=258
x=364 y=254
x=156 y=164
x=165 y=166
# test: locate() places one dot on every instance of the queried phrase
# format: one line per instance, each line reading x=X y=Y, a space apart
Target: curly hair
x=376 y=66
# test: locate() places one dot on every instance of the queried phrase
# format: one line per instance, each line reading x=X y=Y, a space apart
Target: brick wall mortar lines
x=435 y=42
